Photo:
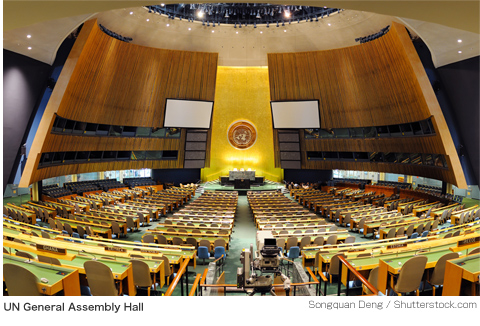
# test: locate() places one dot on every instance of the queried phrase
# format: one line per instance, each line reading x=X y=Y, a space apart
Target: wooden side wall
x=117 y=83
x=372 y=84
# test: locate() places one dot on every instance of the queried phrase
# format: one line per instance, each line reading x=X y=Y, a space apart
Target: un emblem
x=242 y=134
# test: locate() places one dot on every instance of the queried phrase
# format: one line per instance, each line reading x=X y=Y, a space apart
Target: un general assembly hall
x=304 y=149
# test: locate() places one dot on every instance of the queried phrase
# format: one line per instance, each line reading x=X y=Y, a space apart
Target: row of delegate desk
x=209 y=217
x=390 y=254
x=114 y=253
x=288 y=219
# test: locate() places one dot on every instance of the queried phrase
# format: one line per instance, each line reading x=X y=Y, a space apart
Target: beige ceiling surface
x=245 y=46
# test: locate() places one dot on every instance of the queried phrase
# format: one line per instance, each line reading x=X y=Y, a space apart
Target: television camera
x=260 y=267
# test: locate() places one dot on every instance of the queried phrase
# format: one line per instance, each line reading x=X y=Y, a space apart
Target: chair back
x=332 y=239
x=100 y=279
x=347 y=219
x=177 y=241
x=294 y=252
x=428 y=226
x=24 y=254
x=141 y=273
x=81 y=231
x=204 y=243
x=409 y=231
x=414 y=235
x=20 y=281
x=305 y=241
x=219 y=243
x=52 y=224
x=372 y=279
x=166 y=265
x=334 y=267
x=411 y=274
x=400 y=232
x=474 y=251
x=391 y=233
x=439 y=270
x=45 y=235
x=115 y=228
x=68 y=228
x=191 y=241
x=350 y=239
x=281 y=243
x=130 y=223
x=361 y=223
x=219 y=251
x=48 y=260
x=161 y=239
x=292 y=241
x=148 y=238
x=203 y=252
x=419 y=229
x=319 y=241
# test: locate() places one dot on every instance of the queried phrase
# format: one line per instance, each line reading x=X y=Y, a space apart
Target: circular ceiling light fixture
x=241 y=13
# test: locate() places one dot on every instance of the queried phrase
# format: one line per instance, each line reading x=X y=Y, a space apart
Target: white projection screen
x=295 y=114
x=188 y=114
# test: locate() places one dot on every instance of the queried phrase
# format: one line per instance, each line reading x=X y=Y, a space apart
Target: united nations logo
x=242 y=134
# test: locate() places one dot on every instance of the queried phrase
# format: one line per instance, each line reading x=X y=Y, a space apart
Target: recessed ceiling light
x=168 y=25
x=28 y=36
x=213 y=31
x=162 y=4
x=29 y=48
x=459 y=41
x=131 y=12
x=285 y=30
x=236 y=32
x=329 y=24
x=261 y=32
x=189 y=28
x=148 y=20
x=459 y=51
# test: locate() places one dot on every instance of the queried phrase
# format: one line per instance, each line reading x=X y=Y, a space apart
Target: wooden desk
x=59 y=278
x=438 y=211
x=461 y=270
x=98 y=229
x=370 y=227
x=32 y=217
x=417 y=210
x=393 y=265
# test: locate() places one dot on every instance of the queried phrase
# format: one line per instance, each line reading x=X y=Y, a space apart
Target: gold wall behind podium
x=242 y=93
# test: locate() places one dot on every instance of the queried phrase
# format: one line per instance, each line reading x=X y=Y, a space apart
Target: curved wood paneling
x=116 y=83
x=124 y=84
x=423 y=144
x=378 y=83
x=372 y=84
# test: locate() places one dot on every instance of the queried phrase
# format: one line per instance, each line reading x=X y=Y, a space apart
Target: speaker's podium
x=241 y=184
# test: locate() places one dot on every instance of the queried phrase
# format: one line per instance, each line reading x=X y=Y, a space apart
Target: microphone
x=89 y=253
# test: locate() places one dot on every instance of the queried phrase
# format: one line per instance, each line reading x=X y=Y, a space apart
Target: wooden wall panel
x=378 y=83
x=62 y=143
x=425 y=144
x=116 y=83
x=119 y=83
x=371 y=84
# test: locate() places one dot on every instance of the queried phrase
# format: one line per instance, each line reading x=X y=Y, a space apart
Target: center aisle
x=244 y=233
